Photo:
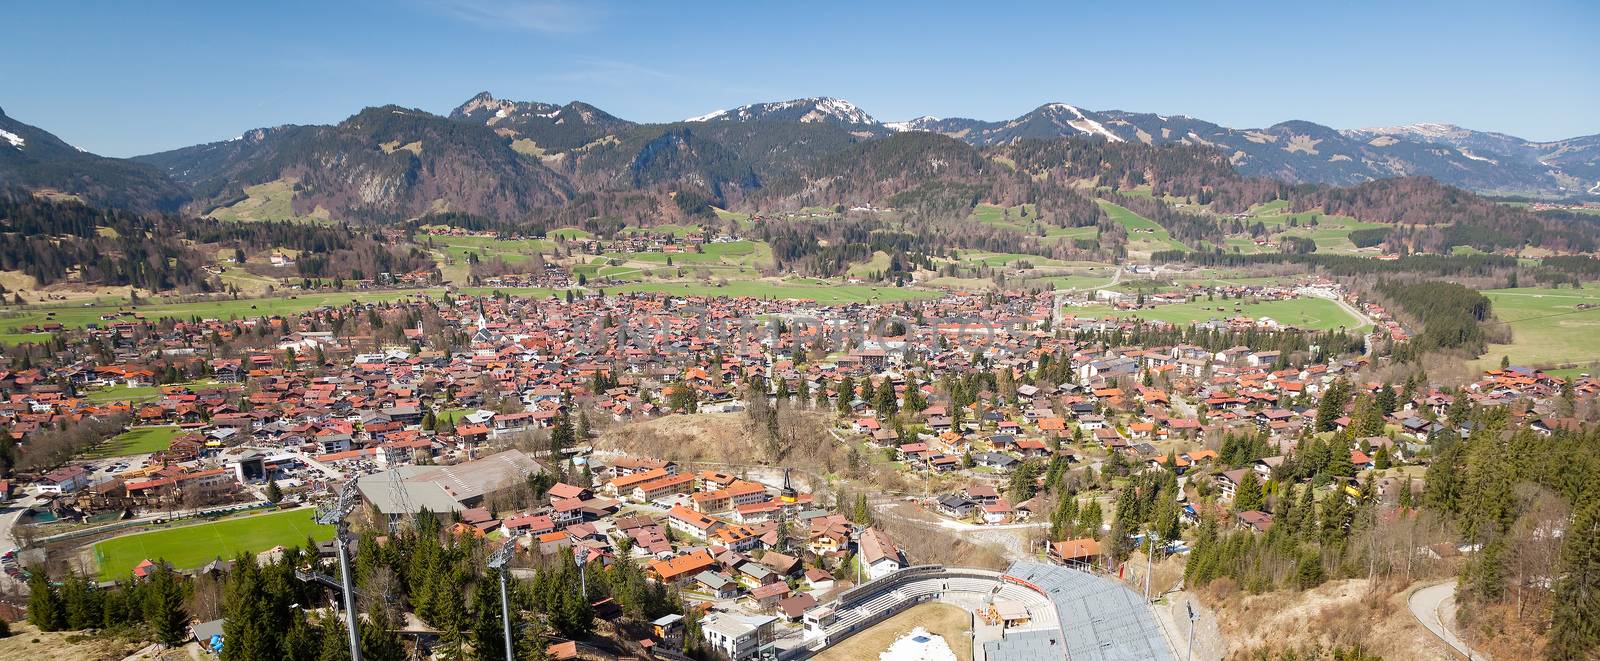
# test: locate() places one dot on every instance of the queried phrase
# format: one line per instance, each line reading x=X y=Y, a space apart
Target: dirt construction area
x=951 y=622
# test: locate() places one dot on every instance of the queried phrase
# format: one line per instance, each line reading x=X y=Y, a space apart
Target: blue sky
x=124 y=78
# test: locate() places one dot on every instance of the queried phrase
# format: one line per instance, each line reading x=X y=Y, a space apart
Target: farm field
x=810 y=290
x=139 y=440
x=748 y=253
x=511 y=251
x=9 y=339
x=1546 y=326
x=663 y=230
x=1331 y=233
x=1306 y=313
x=526 y=292
x=878 y=263
x=187 y=547
x=951 y=622
x=570 y=233
x=1144 y=235
x=77 y=317
x=1007 y=259
x=1012 y=218
x=1075 y=281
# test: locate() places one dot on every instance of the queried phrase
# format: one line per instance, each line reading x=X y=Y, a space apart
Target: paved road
x=1361 y=317
x=1173 y=616
x=1058 y=300
x=1435 y=608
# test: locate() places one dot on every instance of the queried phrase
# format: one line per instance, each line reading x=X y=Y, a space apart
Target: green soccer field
x=187 y=547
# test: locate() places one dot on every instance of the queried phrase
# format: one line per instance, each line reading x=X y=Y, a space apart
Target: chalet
x=879 y=554
x=997 y=512
x=717 y=585
x=1228 y=482
x=819 y=580
x=64 y=480
x=683 y=567
x=692 y=523
x=1255 y=520
x=955 y=506
x=996 y=460
x=1083 y=552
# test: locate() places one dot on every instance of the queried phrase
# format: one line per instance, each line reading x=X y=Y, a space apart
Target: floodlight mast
x=499 y=561
x=334 y=514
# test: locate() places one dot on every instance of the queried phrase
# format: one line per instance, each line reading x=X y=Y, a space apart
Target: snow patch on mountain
x=708 y=116
x=1084 y=124
x=911 y=125
x=816 y=110
x=1476 y=157
x=14 y=139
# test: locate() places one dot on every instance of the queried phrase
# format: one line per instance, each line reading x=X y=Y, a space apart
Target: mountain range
x=1292 y=151
x=508 y=159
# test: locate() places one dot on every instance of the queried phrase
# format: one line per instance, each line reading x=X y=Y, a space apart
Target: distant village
x=430 y=405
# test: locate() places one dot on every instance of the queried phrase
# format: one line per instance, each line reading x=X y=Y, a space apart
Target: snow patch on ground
x=919 y=645
x=14 y=139
x=1476 y=157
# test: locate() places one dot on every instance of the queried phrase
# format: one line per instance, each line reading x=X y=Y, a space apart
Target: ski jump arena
x=1030 y=612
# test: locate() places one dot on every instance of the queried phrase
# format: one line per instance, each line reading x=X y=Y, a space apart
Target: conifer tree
x=163 y=607
x=1575 y=628
x=1248 y=496
x=45 y=610
x=378 y=642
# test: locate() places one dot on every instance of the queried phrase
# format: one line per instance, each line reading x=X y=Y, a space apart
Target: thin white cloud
x=543 y=16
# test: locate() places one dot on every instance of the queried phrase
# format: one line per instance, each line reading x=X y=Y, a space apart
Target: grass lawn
x=9 y=339
x=139 y=440
x=878 y=263
x=452 y=415
x=524 y=292
x=810 y=290
x=1306 y=313
x=510 y=251
x=733 y=252
x=77 y=317
x=187 y=547
x=273 y=200
x=743 y=219
x=124 y=394
x=1144 y=235
x=1546 y=326
x=1064 y=282
x=1007 y=259
x=941 y=619
x=669 y=228
x=1574 y=372
x=1331 y=234
x=570 y=233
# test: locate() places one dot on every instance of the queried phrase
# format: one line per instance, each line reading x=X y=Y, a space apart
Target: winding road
x=1435 y=607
